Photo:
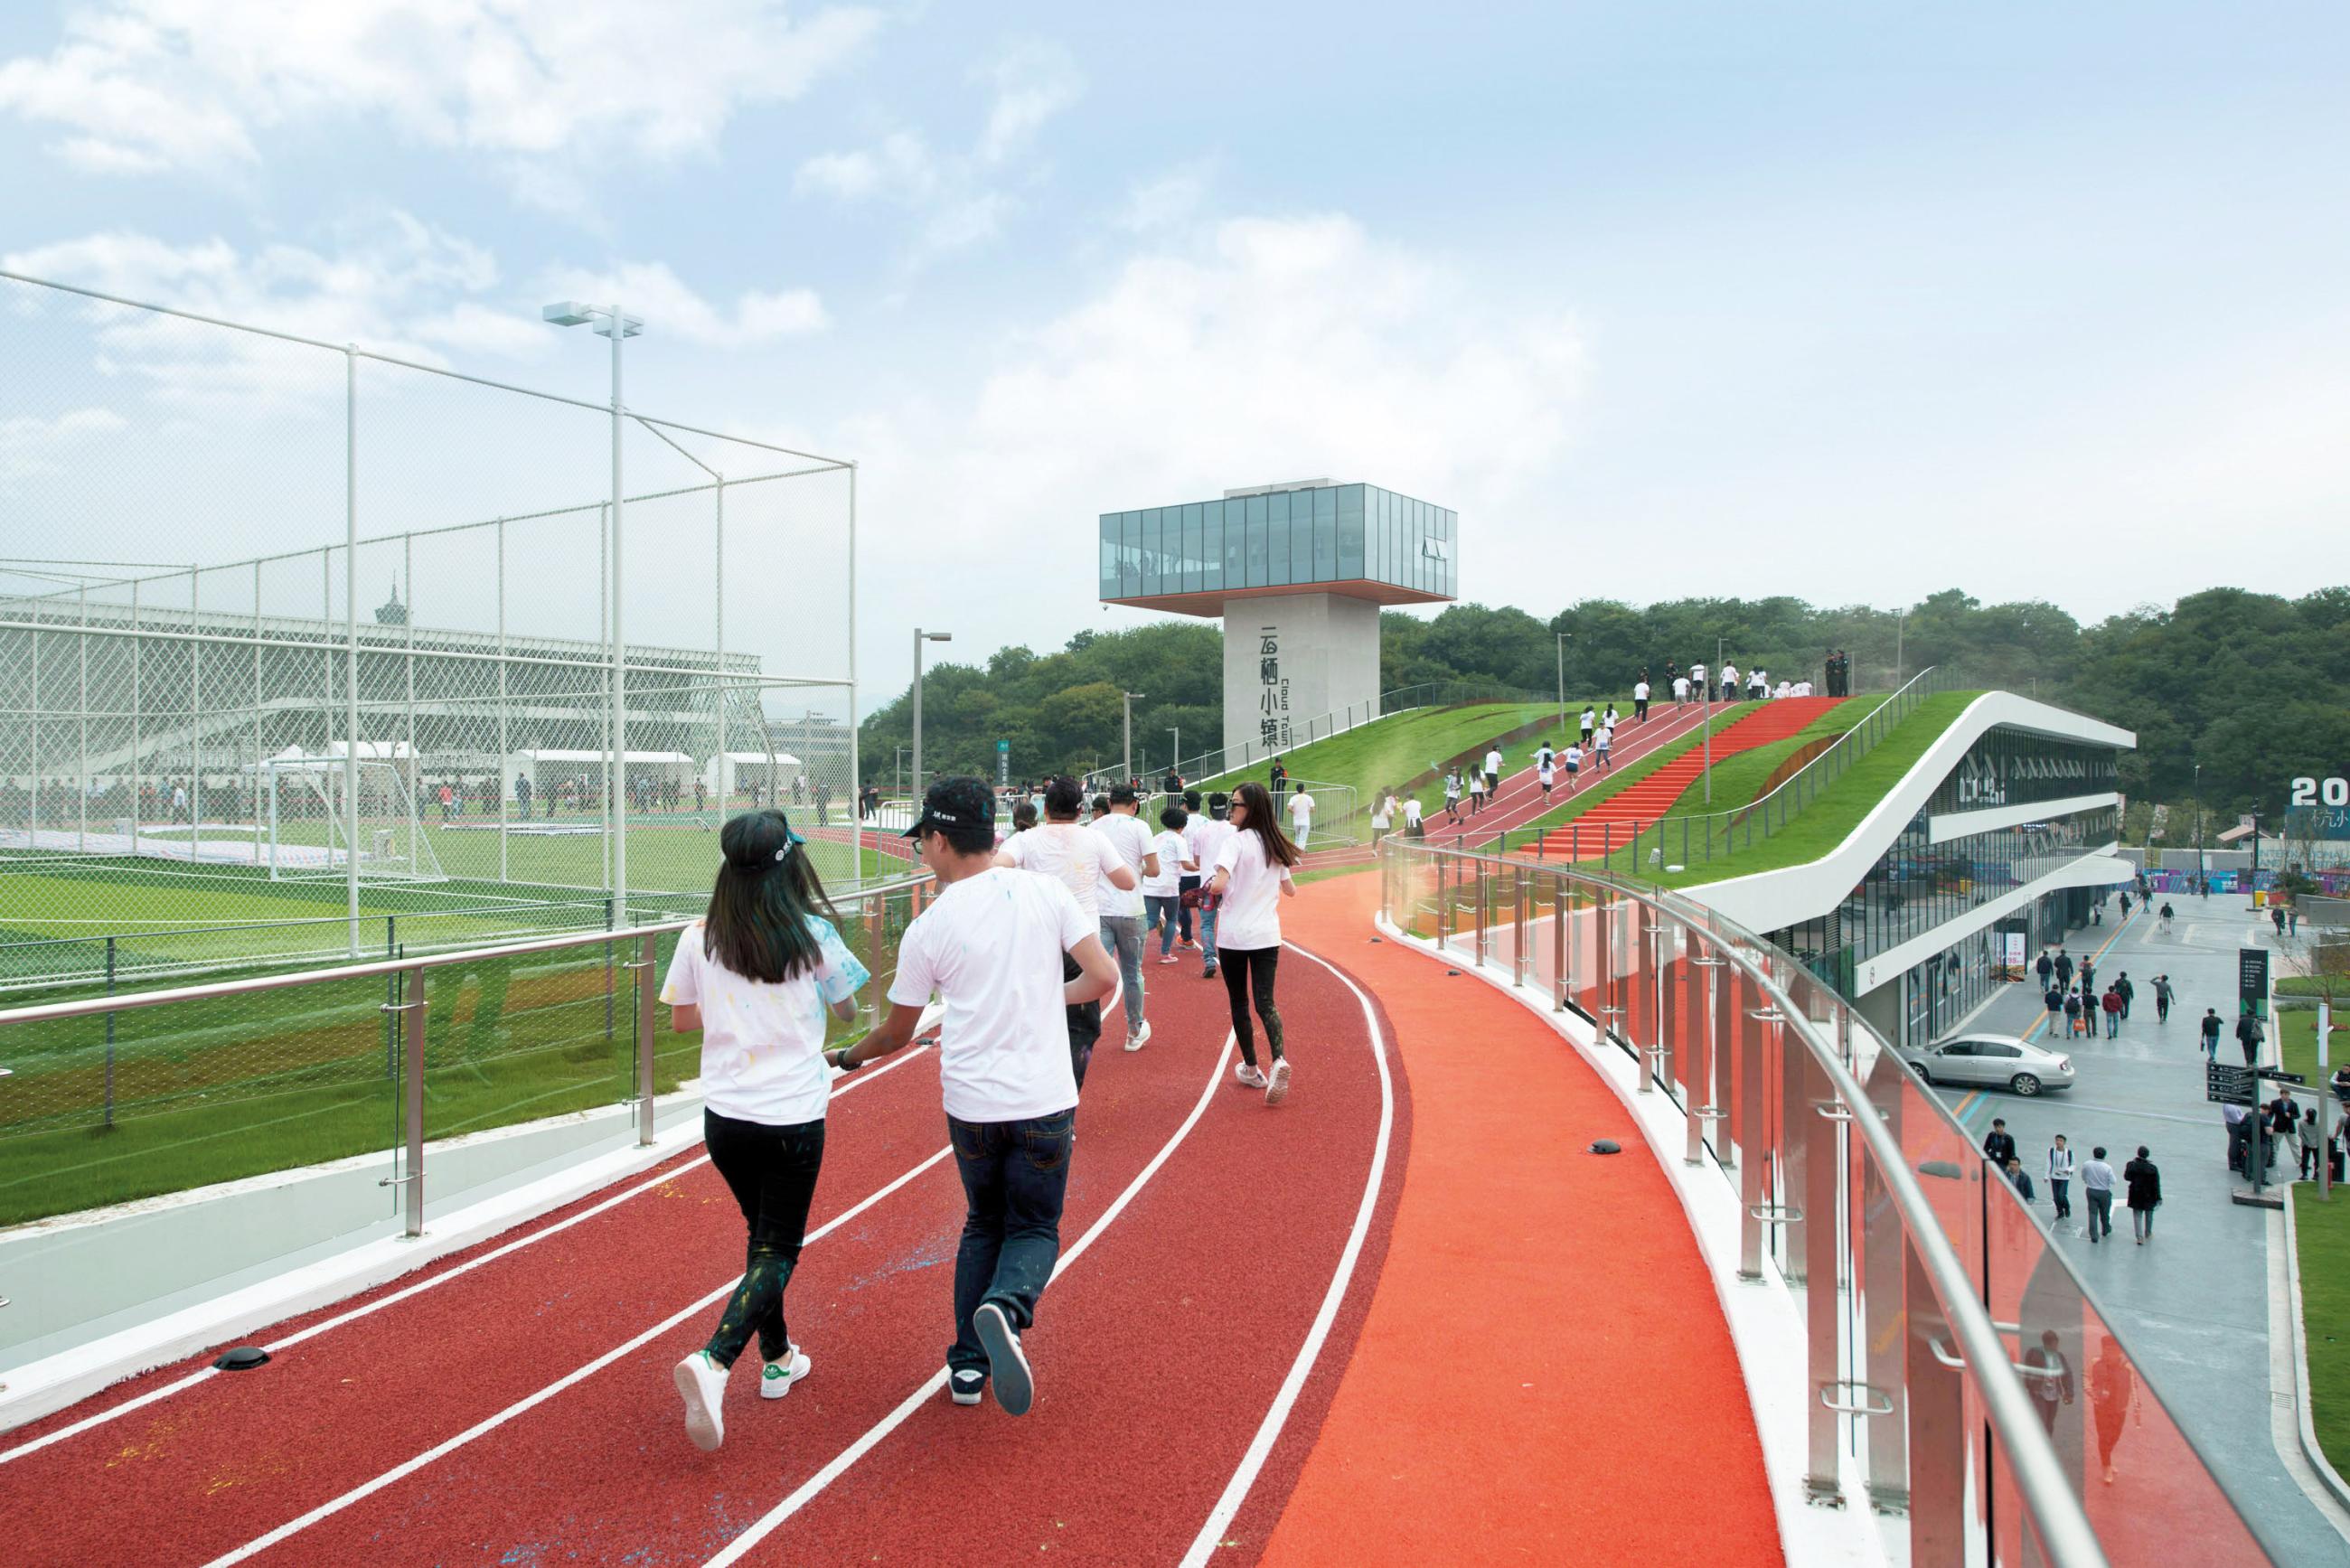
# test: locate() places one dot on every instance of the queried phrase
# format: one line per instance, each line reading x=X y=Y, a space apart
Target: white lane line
x=181 y=1385
x=1220 y=1518
x=578 y=1373
x=809 y=1490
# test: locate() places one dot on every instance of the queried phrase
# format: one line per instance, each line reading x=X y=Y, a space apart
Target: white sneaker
x=1279 y=1086
x=1247 y=1077
x=964 y=1388
x=776 y=1379
x=702 y=1384
x=1140 y=1038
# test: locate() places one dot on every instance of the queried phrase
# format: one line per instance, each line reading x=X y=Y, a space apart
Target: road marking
x=577 y=1374
x=1236 y=1490
x=458 y=1271
x=809 y=1490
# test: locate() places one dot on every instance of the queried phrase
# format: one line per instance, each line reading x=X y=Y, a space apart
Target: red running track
x=512 y=1404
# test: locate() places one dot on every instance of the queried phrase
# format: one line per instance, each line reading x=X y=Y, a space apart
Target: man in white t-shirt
x=1411 y=828
x=1492 y=770
x=994 y=945
x=1680 y=690
x=1728 y=682
x=1206 y=834
x=1121 y=908
x=1590 y=722
x=1602 y=744
x=1301 y=815
x=1081 y=861
x=1640 y=698
x=1758 y=685
x=1696 y=682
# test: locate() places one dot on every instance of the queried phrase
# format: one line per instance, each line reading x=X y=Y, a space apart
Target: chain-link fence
x=346 y=641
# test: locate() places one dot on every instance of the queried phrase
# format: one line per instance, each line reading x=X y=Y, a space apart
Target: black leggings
x=1249 y=973
x=771 y=1172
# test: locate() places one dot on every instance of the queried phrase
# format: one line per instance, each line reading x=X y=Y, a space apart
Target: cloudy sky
x=1851 y=302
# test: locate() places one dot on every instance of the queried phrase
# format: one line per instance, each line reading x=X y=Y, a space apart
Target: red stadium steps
x=1747 y=726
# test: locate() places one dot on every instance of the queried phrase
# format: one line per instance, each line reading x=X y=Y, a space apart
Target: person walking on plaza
x=755 y=977
x=2113 y=1400
x=2238 y=1121
x=2247 y=1035
x=2050 y=1377
x=1640 y=699
x=2060 y=1177
x=2016 y=1178
x=1013 y=957
x=1999 y=1144
x=2166 y=913
x=2111 y=1004
x=2145 y=1186
x=2097 y=1183
x=2162 y=992
x=2088 y=977
x=2044 y=968
x=2307 y=1143
x=1301 y=815
x=1162 y=893
x=1252 y=877
x=2054 y=997
x=2071 y=1013
x=2126 y=990
x=2064 y=967
x=1122 y=908
x=2210 y=1028
x=1081 y=861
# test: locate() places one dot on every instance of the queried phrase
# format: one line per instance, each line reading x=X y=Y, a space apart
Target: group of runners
x=1025 y=936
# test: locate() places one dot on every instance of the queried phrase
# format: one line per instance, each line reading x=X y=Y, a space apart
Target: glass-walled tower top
x=1357 y=541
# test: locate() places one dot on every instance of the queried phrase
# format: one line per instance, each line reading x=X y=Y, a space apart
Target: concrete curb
x=2300 y=1340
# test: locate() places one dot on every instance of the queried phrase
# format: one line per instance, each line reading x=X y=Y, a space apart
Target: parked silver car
x=1992 y=1061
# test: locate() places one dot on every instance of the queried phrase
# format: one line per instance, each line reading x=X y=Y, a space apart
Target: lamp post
x=922 y=637
x=1129 y=698
x=612 y=322
x=1175 y=756
x=2201 y=875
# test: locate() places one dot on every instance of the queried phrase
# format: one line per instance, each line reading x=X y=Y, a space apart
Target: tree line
x=2255 y=686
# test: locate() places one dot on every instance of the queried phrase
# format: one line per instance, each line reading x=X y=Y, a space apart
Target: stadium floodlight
x=568 y=313
x=922 y=637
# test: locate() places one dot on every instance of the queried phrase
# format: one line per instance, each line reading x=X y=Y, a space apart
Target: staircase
x=1748 y=725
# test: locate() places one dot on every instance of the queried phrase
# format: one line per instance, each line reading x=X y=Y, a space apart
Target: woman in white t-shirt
x=1251 y=878
x=1383 y=815
x=1163 y=896
x=755 y=977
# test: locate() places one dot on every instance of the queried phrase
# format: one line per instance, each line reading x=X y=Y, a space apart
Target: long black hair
x=757 y=925
x=1266 y=824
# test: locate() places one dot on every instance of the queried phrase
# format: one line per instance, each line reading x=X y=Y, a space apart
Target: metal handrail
x=2058 y=1514
x=375 y=968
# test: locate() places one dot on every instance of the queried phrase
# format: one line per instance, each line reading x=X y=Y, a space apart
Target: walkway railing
x=1957 y=1372
x=1322 y=726
x=109 y=1098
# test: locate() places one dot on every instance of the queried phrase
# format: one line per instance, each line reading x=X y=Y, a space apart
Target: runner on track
x=994 y=945
x=1252 y=877
x=766 y=965
x=1081 y=861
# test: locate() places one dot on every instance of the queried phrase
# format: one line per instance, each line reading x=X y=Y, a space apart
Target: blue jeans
x=1122 y=935
x=1184 y=885
x=1207 y=924
x=1162 y=913
x=1015 y=1174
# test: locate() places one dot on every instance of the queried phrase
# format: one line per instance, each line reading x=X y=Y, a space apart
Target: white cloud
x=1033 y=83
x=651 y=290
x=1263 y=349
x=29 y=444
x=959 y=199
x=1165 y=202
x=139 y=86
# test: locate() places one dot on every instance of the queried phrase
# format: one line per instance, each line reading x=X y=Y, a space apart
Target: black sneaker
x=964 y=1388
x=1015 y=1391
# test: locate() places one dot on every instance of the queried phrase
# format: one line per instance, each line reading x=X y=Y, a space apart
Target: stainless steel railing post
x=1940 y=1444
x=1823 y=1134
x=1754 y=1141
x=648 y=984
x=1562 y=912
x=1484 y=948
x=1703 y=1101
x=413 y=1006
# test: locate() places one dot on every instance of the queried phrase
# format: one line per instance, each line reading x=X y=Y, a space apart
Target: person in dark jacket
x=2064 y=968
x=2247 y=1035
x=1999 y=1145
x=2055 y=1001
x=2045 y=967
x=2125 y=990
x=2144 y=1183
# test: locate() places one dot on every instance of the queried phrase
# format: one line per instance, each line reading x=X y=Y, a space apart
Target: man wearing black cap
x=992 y=945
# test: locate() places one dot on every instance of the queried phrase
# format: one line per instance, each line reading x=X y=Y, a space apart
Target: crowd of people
x=1028 y=932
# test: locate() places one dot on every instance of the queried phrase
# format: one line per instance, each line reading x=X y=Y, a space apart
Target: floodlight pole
x=618 y=805
x=1175 y=757
x=1129 y=698
x=350 y=642
x=922 y=637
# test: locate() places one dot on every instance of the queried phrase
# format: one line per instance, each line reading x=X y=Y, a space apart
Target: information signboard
x=2252 y=981
x=2225 y=1084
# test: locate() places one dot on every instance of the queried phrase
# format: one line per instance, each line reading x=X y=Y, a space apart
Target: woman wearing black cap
x=755 y=977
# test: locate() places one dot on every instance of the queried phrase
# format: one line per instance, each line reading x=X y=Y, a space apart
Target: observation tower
x=1299 y=573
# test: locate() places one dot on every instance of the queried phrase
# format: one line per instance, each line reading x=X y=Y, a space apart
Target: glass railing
x=330 y=1105
x=1962 y=1382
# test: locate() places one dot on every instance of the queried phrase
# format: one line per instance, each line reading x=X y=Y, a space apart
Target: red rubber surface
x=1156 y=1354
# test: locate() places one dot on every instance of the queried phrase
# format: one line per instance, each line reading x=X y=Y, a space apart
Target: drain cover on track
x=243 y=1358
